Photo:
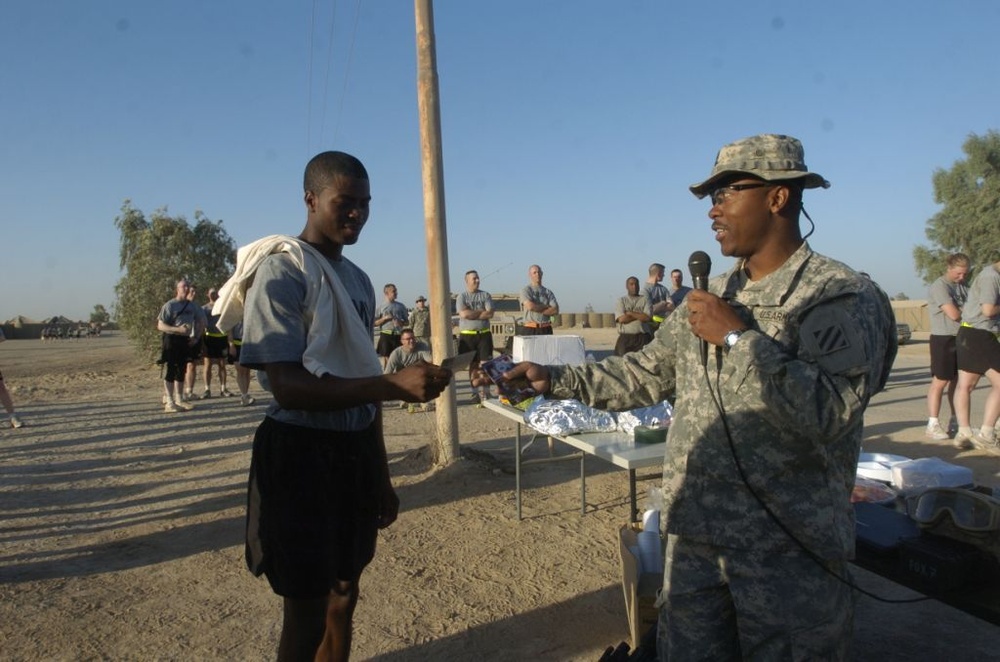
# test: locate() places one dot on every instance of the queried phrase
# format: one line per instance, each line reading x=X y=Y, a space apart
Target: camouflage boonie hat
x=770 y=156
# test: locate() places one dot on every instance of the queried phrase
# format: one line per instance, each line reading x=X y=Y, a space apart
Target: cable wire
x=767 y=509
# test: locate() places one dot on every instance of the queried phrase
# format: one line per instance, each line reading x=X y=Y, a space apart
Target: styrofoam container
x=927 y=472
x=878 y=466
x=549 y=350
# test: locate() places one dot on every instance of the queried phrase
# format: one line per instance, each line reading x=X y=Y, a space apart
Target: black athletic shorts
x=312 y=510
x=480 y=343
x=216 y=347
x=944 y=358
x=978 y=350
x=386 y=343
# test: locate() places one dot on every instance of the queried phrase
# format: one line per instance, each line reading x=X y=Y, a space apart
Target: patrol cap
x=772 y=157
x=421 y=298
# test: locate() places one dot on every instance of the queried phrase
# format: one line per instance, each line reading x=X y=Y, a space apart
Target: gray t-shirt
x=400 y=358
x=942 y=292
x=180 y=311
x=985 y=288
x=478 y=300
x=632 y=304
x=539 y=294
x=276 y=328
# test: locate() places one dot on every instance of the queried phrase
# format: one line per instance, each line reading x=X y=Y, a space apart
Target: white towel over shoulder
x=338 y=343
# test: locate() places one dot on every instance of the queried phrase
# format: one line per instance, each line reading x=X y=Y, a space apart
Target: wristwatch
x=730 y=338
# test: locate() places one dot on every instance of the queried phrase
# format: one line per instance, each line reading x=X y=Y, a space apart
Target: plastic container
x=927 y=472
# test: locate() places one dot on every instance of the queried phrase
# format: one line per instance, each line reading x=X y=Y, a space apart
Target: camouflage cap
x=770 y=156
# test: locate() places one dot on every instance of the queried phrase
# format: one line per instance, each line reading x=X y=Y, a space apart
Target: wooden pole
x=435 y=229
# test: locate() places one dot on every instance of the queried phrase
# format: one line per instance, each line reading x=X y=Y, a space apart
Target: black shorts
x=174 y=356
x=534 y=330
x=480 y=343
x=195 y=351
x=312 y=509
x=944 y=358
x=235 y=357
x=216 y=347
x=978 y=350
x=386 y=343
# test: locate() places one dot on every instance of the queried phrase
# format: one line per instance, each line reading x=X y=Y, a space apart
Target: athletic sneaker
x=171 y=407
x=475 y=399
x=984 y=443
x=206 y=395
x=226 y=393
x=935 y=431
x=15 y=422
x=962 y=441
x=246 y=400
x=952 y=426
x=186 y=406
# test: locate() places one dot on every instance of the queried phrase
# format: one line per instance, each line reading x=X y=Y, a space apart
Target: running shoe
x=935 y=431
x=206 y=395
x=246 y=400
x=226 y=393
x=15 y=422
x=171 y=408
x=985 y=443
x=186 y=406
x=962 y=441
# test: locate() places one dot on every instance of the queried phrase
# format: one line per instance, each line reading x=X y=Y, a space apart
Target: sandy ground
x=121 y=530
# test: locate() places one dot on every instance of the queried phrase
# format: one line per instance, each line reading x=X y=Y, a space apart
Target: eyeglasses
x=969 y=510
x=721 y=194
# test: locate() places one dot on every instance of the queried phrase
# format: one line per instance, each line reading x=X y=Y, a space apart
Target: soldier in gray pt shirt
x=762 y=451
x=946 y=298
x=319 y=486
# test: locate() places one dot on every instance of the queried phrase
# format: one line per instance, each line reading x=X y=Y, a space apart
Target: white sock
x=965 y=431
x=986 y=432
x=932 y=421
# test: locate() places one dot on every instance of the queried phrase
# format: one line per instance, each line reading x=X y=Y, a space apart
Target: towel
x=338 y=343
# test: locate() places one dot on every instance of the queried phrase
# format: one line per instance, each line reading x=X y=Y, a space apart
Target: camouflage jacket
x=794 y=389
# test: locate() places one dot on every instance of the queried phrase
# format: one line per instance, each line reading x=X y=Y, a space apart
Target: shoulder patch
x=831 y=339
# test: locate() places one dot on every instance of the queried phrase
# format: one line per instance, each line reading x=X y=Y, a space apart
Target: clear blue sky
x=571 y=129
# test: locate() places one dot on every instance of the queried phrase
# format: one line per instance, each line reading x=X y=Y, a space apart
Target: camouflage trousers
x=725 y=604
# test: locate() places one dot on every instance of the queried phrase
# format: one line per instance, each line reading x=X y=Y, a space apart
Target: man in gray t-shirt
x=319 y=486
x=539 y=305
x=475 y=310
x=946 y=298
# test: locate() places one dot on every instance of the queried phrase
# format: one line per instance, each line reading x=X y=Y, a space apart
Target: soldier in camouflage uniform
x=762 y=451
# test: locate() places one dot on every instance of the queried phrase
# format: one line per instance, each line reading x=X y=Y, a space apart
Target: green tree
x=100 y=315
x=969 y=221
x=155 y=253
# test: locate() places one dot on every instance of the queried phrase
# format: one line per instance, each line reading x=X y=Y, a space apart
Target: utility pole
x=435 y=229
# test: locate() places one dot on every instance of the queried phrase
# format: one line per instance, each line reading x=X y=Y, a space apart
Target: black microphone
x=699 y=264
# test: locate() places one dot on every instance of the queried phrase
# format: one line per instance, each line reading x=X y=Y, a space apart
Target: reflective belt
x=969 y=326
x=658 y=319
x=389 y=333
x=474 y=332
x=215 y=335
x=537 y=325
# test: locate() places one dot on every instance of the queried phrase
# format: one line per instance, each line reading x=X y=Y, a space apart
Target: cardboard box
x=549 y=350
x=640 y=589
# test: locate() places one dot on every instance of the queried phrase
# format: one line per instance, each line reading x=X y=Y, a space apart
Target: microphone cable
x=767 y=509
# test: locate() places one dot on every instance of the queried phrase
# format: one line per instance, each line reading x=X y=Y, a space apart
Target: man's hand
x=536 y=375
x=710 y=317
x=420 y=382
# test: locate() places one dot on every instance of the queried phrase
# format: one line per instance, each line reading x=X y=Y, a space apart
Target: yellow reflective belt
x=474 y=332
